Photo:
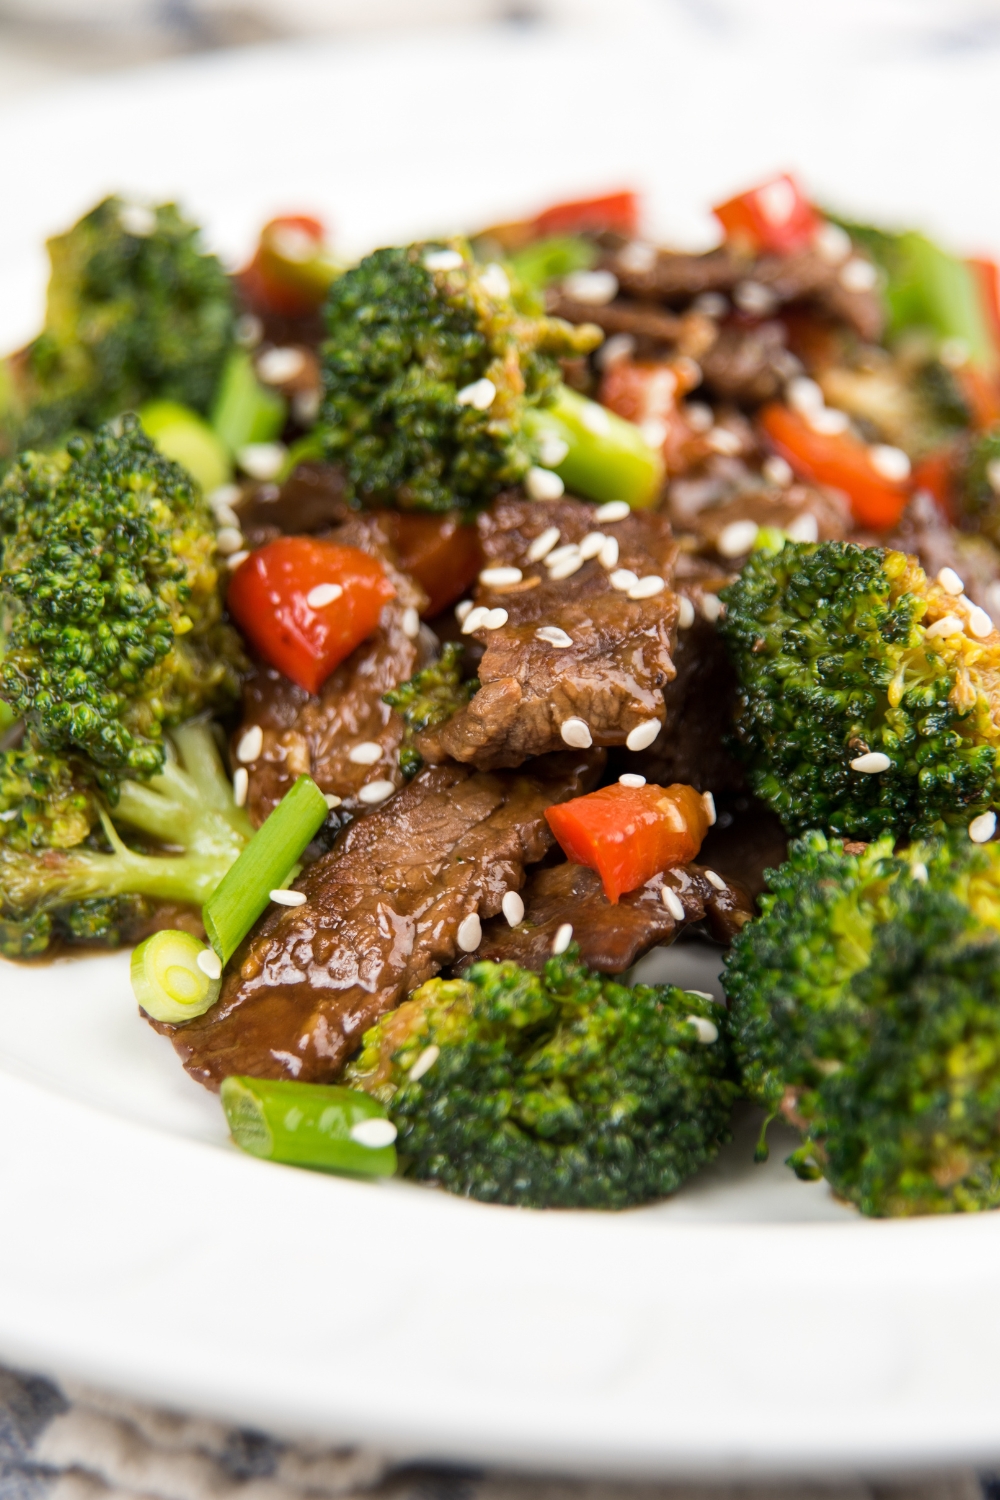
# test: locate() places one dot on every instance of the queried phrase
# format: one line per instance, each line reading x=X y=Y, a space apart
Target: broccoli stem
x=310 y=1125
x=606 y=457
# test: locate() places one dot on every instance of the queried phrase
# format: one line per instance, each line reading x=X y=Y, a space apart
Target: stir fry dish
x=392 y=654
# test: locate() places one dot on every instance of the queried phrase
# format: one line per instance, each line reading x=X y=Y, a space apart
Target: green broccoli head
x=46 y=801
x=555 y=1089
x=136 y=309
x=978 y=491
x=429 y=697
x=109 y=578
x=410 y=330
x=838 y=657
x=865 y=1006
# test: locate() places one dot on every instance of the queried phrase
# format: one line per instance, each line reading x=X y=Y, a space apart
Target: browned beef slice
x=747 y=364
x=747 y=840
x=614 y=673
x=924 y=532
x=382 y=916
x=611 y=938
x=315 y=735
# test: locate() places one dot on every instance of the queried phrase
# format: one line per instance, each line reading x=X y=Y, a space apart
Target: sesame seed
x=637 y=256
x=442 y=260
x=225 y=496
x=716 y=880
x=410 y=622
x=375 y=792
x=462 y=610
x=138 y=220
x=777 y=470
x=563 y=938
x=229 y=540
x=236 y=559
x=424 y=1063
x=566 y=568
x=262 y=460
x=592 y=544
x=833 y=244
x=623 y=579
x=721 y=440
x=595 y=418
x=251 y=744
x=576 y=733
x=736 y=538
x=954 y=353
x=543 y=544
x=710 y=305
x=552 y=449
x=707 y=1031
x=699 y=416
x=494 y=281
x=210 y=963
x=375 y=1133
x=567 y=550
x=949 y=625
x=226 y=516
x=919 y=872
x=980 y=623
x=685 y=613
x=593 y=287
x=10 y=814
x=332 y=800
x=805 y=528
x=711 y=607
x=512 y=907
x=241 y=786
x=950 y=581
x=613 y=351
x=654 y=431
x=470 y=933
x=553 y=636
x=702 y=995
x=643 y=735
x=673 y=903
x=804 y=395
x=982 y=829
x=480 y=394
x=542 y=484
x=828 y=421
x=753 y=298
x=474 y=619
x=858 y=275
x=495 y=618
x=288 y=898
x=614 y=510
x=709 y=804
x=631 y=780
x=891 y=463
x=278 y=365
x=323 y=594
x=249 y=331
x=646 y=588
x=305 y=406
x=608 y=555
x=871 y=764
x=365 y=754
x=493 y=578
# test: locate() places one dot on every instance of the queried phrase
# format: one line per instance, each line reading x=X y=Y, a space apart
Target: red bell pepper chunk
x=987 y=276
x=291 y=270
x=775 y=218
x=629 y=834
x=615 y=211
x=305 y=605
x=441 y=552
x=936 y=475
x=839 y=459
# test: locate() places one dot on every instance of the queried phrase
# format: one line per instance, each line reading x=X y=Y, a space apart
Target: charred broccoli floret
x=429 y=697
x=869 y=698
x=109 y=579
x=136 y=309
x=65 y=871
x=555 y=1089
x=865 y=1007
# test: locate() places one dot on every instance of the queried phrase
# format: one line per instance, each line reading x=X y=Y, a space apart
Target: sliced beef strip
x=766 y=505
x=924 y=532
x=311 y=499
x=747 y=840
x=747 y=364
x=611 y=938
x=311 y=735
x=614 y=673
x=382 y=915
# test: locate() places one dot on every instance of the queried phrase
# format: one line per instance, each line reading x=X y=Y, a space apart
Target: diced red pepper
x=982 y=395
x=440 y=552
x=839 y=459
x=645 y=392
x=291 y=270
x=775 y=217
x=269 y=598
x=936 y=475
x=987 y=275
x=618 y=212
x=629 y=834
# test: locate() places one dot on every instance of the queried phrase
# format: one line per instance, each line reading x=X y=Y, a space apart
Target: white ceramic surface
x=751 y=1324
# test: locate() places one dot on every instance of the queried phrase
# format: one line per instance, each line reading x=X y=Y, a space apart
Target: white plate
x=750 y=1324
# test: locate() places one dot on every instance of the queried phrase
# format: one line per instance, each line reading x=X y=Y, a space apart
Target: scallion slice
x=169 y=982
x=310 y=1125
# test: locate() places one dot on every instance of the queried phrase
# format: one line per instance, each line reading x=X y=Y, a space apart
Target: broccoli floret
x=136 y=309
x=830 y=644
x=409 y=330
x=65 y=871
x=555 y=1089
x=978 y=495
x=865 y=1006
x=109 y=577
x=429 y=697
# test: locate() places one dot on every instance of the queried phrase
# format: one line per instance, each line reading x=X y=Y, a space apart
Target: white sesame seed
x=224 y=497
x=950 y=581
x=593 y=287
x=614 y=510
x=702 y=995
x=891 y=463
x=375 y=1133
x=833 y=244
x=210 y=963
x=470 y=933
x=954 y=353
x=919 y=872
x=993 y=475
x=462 y=610
x=858 y=275
x=595 y=418
x=699 y=416
x=608 y=555
x=251 y=744
x=777 y=471
x=643 y=735
x=871 y=764
x=563 y=938
x=424 y=1063
x=753 y=298
x=480 y=395
x=262 y=460
x=980 y=623
x=305 y=406
x=138 y=220
x=637 y=256
x=410 y=622
x=375 y=792
x=323 y=594
x=648 y=587
x=9 y=815
x=631 y=780
x=673 y=903
x=474 y=619
x=709 y=803
x=442 y=260
x=592 y=544
x=716 y=880
x=332 y=800
x=276 y=366
x=493 y=578
x=721 y=440
x=949 y=625
x=495 y=619
x=236 y=559
x=685 y=613
x=494 y=281
x=566 y=568
x=613 y=351
x=512 y=907
x=804 y=395
x=249 y=331
x=736 y=538
x=707 y=1031
x=288 y=898
x=553 y=636
x=241 y=786
x=560 y=554
x=576 y=733
x=805 y=528
x=226 y=516
x=365 y=754
x=711 y=607
x=982 y=829
x=543 y=544
x=229 y=540
x=828 y=421
x=623 y=579
x=542 y=484
x=710 y=305
x=552 y=449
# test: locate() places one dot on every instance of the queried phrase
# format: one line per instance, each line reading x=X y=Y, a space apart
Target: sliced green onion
x=310 y=1125
x=168 y=980
x=245 y=411
x=263 y=866
x=182 y=435
x=607 y=458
